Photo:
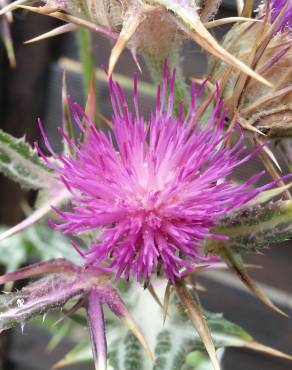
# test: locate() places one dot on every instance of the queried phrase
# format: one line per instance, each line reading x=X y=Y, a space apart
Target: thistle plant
x=149 y=202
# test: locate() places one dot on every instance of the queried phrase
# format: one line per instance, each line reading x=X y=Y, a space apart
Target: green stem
x=155 y=66
x=84 y=38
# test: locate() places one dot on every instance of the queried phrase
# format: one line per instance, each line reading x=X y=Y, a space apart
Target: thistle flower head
x=285 y=23
x=153 y=187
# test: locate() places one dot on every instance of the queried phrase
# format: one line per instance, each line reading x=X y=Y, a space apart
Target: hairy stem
x=97 y=330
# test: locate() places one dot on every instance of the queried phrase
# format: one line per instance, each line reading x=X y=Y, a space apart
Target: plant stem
x=97 y=330
x=84 y=38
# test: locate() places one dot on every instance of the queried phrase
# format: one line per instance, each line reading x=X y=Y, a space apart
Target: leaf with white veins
x=22 y=164
x=253 y=228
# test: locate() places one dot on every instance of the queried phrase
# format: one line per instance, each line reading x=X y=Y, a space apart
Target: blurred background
x=32 y=90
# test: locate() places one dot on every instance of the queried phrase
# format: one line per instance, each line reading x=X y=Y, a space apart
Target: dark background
x=32 y=90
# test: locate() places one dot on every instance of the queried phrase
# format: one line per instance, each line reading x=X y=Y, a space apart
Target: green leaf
x=220 y=326
x=80 y=353
x=197 y=359
x=133 y=358
x=255 y=227
x=13 y=252
x=48 y=244
x=22 y=164
x=37 y=241
x=62 y=330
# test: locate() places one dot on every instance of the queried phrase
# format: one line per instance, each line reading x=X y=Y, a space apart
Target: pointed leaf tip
x=199 y=322
x=233 y=260
x=130 y=323
x=119 y=308
x=55 y=32
x=166 y=301
x=200 y=35
x=256 y=346
x=129 y=28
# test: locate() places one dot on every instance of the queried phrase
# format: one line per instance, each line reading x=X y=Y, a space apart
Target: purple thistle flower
x=155 y=188
x=286 y=21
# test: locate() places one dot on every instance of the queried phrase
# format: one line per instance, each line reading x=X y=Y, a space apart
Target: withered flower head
x=265 y=47
x=151 y=27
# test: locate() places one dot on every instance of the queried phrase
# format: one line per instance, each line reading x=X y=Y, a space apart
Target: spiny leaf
x=234 y=262
x=162 y=349
x=35 y=299
x=222 y=327
x=267 y=195
x=257 y=226
x=22 y=164
x=130 y=26
x=119 y=308
x=196 y=316
x=130 y=323
x=133 y=357
x=166 y=300
x=55 y=32
x=256 y=346
x=171 y=343
x=69 y=18
x=154 y=294
x=38 y=241
x=223 y=21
